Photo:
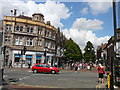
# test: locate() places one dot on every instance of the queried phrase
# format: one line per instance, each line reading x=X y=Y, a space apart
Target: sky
x=81 y=21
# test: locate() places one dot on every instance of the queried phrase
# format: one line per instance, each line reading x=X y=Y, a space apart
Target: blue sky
x=81 y=21
x=107 y=18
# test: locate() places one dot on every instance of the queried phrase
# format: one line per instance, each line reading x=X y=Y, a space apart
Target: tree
x=89 y=54
x=73 y=51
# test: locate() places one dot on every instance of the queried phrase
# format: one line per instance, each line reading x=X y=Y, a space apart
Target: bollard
x=108 y=80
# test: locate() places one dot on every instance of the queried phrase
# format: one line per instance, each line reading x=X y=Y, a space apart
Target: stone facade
x=31 y=32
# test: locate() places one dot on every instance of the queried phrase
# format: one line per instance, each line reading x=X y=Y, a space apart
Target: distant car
x=42 y=67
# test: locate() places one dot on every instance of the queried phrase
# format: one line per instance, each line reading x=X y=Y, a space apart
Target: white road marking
x=5 y=76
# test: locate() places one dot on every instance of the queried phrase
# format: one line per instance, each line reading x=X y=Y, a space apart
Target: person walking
x=29 y=64
x=10 y=65
x=101 y=72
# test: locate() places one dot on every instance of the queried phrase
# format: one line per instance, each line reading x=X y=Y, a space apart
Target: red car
x=42 y=67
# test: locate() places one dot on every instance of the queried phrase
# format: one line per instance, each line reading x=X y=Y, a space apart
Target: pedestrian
x=29 y=64
x=10 y=65
x=55 y=64
x=88 y=67
x=76 y=66
x=101 y=72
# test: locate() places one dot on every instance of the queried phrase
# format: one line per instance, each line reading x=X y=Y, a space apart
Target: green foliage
x=73 y=51
x=89 y=54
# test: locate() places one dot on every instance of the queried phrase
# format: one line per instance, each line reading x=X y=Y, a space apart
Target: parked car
x=43 y=67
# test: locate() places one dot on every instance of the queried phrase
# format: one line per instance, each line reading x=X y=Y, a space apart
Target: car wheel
x=53 y=71
x=35 y=71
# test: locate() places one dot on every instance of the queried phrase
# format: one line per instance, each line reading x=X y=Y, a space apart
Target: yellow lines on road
x=37 y=86
x=100 y=85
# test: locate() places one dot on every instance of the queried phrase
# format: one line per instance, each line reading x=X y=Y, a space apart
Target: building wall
x=22 y=30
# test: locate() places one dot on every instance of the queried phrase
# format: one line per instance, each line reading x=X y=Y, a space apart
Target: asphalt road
x=65 y=79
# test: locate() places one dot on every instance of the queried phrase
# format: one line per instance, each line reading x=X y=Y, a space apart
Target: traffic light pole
x=23 y=51
x=115 y=39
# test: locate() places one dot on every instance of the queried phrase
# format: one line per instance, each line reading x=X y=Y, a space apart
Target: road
x=65 y=79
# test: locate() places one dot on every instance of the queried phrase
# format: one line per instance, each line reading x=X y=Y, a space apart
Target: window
x=53 y=46
x=18 y=41
x=7 y=39
x=29 y=30
x=21 y=28
x=29 y=42
x=49 y=44
x=44 y=65
x=39 y=65
x=40 y=32
x=46 y=44
x=49 y=34
x=53 y=35
x=39 y=42
x=8 y=27
x=17 y=28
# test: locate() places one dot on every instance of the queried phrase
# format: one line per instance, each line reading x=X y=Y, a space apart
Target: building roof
x=103 y=46
x=38 y=14
x=24 y=17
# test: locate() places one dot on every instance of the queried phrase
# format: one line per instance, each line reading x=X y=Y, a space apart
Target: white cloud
x=53 y=11
x=80 y=32
x=82 y=36
x=83 y=23
x=99 y=7
x=84 y=11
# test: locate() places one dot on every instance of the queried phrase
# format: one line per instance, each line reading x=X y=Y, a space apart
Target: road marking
x=13 y=83
x=100 y=85
x=30 y=71
x=5 y=76
x=38 y=86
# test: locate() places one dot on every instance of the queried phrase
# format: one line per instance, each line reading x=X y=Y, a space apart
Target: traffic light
x=45 y=53
x=23 y=51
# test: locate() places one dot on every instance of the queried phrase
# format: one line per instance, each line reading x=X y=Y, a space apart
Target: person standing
x=76 y=66
x=100 y=73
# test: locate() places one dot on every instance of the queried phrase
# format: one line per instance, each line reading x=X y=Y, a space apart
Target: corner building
x=32 y=32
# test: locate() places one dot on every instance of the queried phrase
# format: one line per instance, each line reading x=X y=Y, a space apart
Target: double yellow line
x=100 y=85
